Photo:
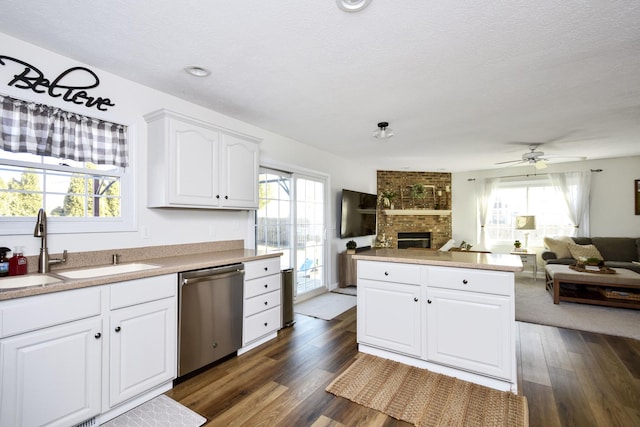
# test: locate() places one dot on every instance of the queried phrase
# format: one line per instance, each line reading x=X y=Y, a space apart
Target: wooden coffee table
x=566 y=284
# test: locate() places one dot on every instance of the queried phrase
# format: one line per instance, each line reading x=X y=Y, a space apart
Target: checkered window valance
x=40 y=129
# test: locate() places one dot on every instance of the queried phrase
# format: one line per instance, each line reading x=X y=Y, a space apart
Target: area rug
x=161 y=411
x=325 y=306
x=424 y=398
x=348 y=290
x=534 y=304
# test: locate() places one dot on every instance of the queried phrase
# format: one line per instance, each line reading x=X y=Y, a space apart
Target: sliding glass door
x=291 y=220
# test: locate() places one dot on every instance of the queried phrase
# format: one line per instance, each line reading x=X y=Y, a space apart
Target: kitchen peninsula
x=449 y=312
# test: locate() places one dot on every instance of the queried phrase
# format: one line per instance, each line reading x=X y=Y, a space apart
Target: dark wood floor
x=570 y=378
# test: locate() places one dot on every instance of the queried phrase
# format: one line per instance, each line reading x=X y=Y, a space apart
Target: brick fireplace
x=414 y=202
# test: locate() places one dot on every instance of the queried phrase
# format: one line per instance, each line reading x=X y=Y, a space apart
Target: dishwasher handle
x=210 y=273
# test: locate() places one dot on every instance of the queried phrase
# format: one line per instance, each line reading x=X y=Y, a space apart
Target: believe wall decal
x=32 y=78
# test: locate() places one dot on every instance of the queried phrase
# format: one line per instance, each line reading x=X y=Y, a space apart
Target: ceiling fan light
x=383 y=132
x=540 y=164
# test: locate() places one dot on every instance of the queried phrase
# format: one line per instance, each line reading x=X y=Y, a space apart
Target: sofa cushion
x=559 y=245
x=617 y=248
x=584 y=251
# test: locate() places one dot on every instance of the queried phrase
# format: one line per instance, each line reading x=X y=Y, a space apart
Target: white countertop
x=461 y=259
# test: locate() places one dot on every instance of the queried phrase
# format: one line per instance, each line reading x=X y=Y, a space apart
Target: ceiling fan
x=537 y=158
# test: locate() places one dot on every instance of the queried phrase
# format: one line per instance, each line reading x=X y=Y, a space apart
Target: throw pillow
x=559 y=245
x=584 y=251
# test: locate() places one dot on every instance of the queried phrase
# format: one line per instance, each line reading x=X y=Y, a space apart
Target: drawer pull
x=117 y=329
x=464 y=281
x=98 y=335
x=415 y=299
x=386 y=273
x=428 y=301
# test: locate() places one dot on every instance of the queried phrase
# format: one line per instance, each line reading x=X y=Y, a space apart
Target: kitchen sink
x=87 y=273
x=27 y=280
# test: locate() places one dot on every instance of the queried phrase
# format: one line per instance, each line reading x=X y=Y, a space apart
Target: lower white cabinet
x=51 y=376
x=469 y=331
x=389 y=316
x=69 y=356
x=142 y=350
x=456 y=321
x=262 y=315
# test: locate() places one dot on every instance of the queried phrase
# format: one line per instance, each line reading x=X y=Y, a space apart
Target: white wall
x=612 y=197
x=174 y=226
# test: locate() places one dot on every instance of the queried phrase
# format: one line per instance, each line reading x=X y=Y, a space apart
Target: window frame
x=66 y=225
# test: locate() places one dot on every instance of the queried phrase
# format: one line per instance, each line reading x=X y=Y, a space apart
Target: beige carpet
x=325 y=306
x=424 y=398
x=535 y=305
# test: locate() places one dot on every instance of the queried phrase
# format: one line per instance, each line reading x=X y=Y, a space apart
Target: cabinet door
x=239 y=174
x=193 y=165
x=143 y=348
x=51 y=376
x=389 y=316
x=470 y=331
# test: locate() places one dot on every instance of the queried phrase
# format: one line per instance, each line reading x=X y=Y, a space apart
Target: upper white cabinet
x=194 y=164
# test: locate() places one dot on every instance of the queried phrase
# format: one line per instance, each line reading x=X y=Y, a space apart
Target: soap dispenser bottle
x=4 y=262
x=18 y=263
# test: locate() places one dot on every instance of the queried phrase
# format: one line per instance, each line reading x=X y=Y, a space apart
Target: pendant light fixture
x=383 y=132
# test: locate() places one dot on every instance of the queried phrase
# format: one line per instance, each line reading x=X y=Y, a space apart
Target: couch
x=617 y=252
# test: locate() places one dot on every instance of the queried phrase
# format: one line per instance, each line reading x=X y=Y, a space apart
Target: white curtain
x=485 y=189
x=575 y=187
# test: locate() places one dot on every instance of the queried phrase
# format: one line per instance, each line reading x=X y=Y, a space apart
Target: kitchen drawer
x=261 y=303
x=467 y=279
x=42 y=311
x=410 y=274
x=138 y=291
x=261 y=324
x=261 y=285
x=261 y=268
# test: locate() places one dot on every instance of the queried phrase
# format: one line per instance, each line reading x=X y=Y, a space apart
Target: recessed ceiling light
x=352 y=5
x=197 y=71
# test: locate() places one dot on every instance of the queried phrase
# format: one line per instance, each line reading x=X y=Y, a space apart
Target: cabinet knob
x=415 y=299
x=217 y=196
x=266 y=269
x=266 y=303
x=215 y=345
x=265 y=323
x=266 y=286
x=428 y=301
x=226 y=197
x=98 y=335
x=386 y=273
x=464 y=281
x=117 y=329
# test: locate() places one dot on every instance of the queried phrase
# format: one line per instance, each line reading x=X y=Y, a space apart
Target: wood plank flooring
x=570 y=378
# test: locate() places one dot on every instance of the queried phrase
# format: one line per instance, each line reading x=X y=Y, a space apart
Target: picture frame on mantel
x=636 y=187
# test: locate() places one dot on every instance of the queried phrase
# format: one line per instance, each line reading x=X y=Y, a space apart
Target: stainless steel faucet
x=44 y=262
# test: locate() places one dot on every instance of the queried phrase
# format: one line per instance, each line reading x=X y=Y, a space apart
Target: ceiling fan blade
x=509 y=161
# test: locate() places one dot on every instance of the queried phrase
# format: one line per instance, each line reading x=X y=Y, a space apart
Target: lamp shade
x=525 y=222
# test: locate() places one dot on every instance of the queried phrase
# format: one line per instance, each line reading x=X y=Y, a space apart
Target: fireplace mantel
x=417 y=212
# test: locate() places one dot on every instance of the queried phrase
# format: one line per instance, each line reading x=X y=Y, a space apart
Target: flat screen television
x=358 y=214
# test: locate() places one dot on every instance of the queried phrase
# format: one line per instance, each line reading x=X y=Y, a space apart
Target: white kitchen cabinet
x=262 y=316
x=469 y=331
x=50 y=359
x=455 y=321
x=389 y=316
x=143 y=336
x=66 y=357
x=194 y=164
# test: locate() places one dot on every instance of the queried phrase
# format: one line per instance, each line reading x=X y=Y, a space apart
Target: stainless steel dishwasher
x=209 y=315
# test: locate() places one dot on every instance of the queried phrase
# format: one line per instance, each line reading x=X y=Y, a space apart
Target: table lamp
x=526 y=222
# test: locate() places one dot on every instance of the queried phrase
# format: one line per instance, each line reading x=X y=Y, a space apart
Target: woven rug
x=424 y=398
x=325 y=306
x=161 y=411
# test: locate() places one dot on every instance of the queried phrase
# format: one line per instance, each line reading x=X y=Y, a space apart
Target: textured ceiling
x=463 y=84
